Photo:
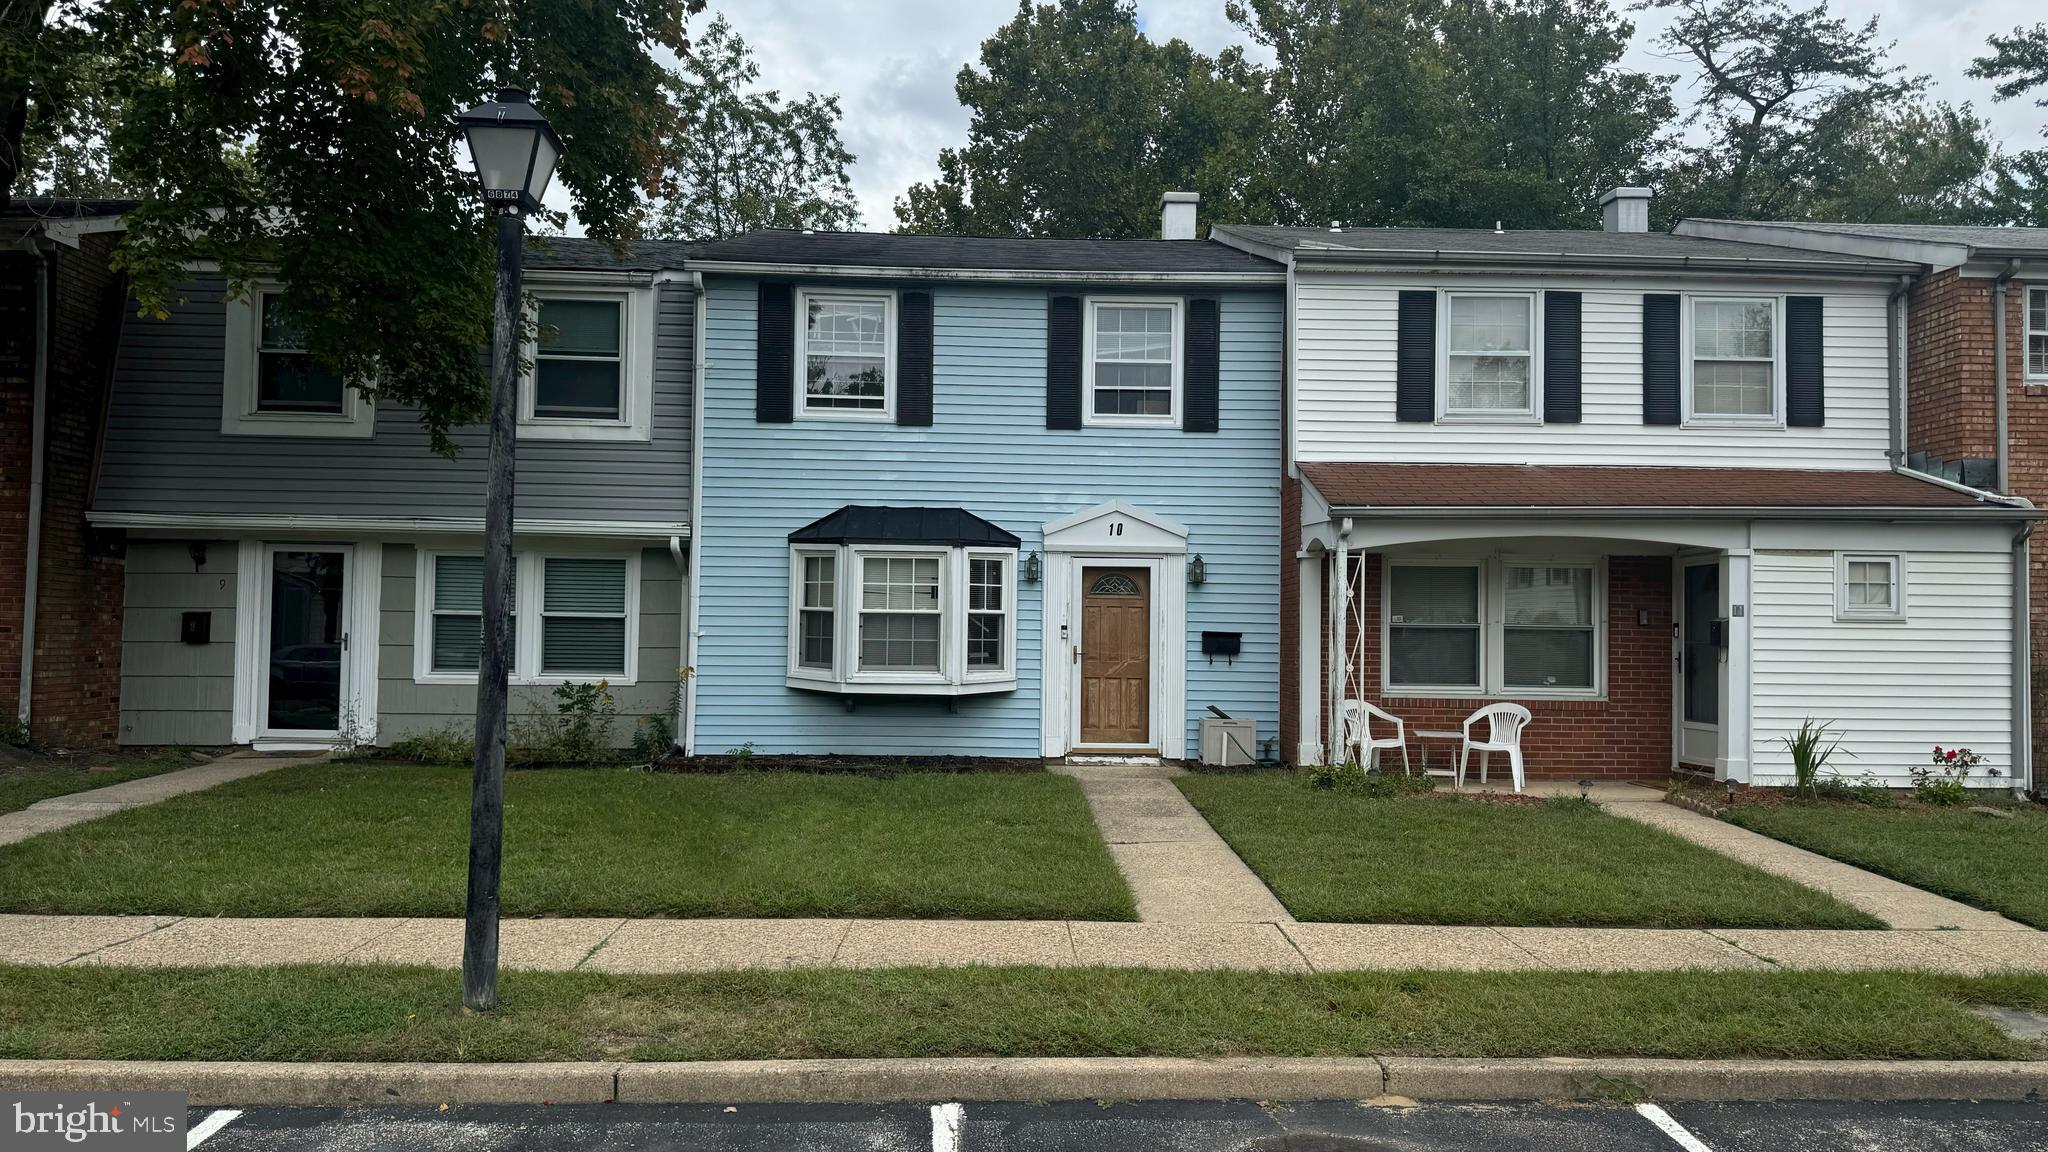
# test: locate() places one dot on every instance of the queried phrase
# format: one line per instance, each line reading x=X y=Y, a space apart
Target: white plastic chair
x=1358 y=718
x=1504 y=724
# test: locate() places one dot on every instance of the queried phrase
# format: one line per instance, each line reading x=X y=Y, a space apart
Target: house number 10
x=1116 y=527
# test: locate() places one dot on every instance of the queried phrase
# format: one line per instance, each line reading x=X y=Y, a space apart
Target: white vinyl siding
x=1892 y=689
x=1344 y=398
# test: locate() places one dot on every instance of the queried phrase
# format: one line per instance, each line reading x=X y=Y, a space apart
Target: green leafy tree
x=314 y=141
x=2019 y=64
x=1803 y=115
x=1079 y=123
x=750 y=159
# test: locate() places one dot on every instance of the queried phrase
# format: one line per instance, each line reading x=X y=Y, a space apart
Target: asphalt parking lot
x=1203 y=1126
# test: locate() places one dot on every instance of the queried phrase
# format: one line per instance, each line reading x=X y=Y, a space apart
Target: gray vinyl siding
x=173 y=692
x=165 y=452
x=405 y=708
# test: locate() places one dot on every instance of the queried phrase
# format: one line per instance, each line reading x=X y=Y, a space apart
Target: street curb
x=1061 y=1078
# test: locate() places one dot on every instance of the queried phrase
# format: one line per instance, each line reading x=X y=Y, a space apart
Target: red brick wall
x=1952 y=409
x=78 y=625
x=1626 y=736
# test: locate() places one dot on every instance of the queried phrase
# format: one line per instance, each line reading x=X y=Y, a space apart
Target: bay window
x=1493 y=626
x=574 y=618
x=918 y=620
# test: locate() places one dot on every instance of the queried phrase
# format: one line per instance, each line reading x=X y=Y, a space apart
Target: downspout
x=1899 y=309
x=1999 y=290
x=38 y=424
x=2022 y=664
x=675 y=551
x=691 y=629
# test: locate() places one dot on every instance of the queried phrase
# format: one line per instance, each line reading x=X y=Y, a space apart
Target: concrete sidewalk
x=1179 y=869
x=665 y=946
x=78 y=807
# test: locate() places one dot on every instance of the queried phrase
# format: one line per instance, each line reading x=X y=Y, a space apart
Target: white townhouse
x=1650 y=486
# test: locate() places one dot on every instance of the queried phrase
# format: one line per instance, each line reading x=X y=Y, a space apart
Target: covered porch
x=1622 y=608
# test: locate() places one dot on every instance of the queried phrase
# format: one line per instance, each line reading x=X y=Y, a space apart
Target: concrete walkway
x=1179 y=869
x=78 y=807
x=1897 y=905
x=663 y=946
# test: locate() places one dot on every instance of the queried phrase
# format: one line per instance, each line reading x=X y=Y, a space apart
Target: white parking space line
x=205 y=1129
x=1671 y=1128
x=946 y=1127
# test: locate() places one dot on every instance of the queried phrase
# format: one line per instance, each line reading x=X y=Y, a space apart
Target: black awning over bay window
x=864 y=524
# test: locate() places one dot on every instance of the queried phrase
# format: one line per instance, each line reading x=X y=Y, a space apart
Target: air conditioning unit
x=1229 y=743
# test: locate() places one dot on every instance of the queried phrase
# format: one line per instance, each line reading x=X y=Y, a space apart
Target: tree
x=313 y=141
x=1805 y=116
x=750 y=159
x=1079 y=123
x=2019 y=63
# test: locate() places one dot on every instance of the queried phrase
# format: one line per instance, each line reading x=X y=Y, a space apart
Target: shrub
x=448 y=744
x=1945 y=779
x=1350 y=777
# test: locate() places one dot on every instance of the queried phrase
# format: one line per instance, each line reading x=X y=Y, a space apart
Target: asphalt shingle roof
x=585 y=254
x=1988 y=237
x=1534 y=244
x=1517 y=486
x=981 y=253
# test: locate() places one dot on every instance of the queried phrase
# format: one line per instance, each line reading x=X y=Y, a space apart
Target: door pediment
x=1116 y=527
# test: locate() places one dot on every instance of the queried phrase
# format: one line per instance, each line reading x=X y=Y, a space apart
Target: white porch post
x=1340 y=640
x=1735 y=733
x=1308 y=610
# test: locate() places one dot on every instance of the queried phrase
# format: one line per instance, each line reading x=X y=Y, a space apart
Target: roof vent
x=1177 y=215
x=1336 y=225
x=1497 y=229
x=1625 y=210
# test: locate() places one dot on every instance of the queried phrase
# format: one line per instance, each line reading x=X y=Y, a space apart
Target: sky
x=892 y=64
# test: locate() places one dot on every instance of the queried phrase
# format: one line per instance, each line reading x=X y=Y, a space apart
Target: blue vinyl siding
x=987 y=451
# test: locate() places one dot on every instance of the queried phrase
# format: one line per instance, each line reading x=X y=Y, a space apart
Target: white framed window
x=902 y=619
x=1734 y=368
x=1131 y=361
x=575 y=617
x=270 y=384
x=1489 y=368
x=1494 y=626
x=589 y=371
x=1870 y=586
x=846 y=354
x=2037 y=335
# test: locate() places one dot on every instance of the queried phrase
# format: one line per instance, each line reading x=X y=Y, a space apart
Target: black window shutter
x=1561 y=361
x=914 y=360
x=1806 y=403
x=1063 y=362
x=1415 y=358
x=1660 y=359
x=774 y=349
x=1201 y=374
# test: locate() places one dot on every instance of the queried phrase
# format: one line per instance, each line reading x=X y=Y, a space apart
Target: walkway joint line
x=599 y=946
x=129 y=940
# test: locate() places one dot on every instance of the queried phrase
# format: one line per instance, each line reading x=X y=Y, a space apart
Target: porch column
x=1735 y=751
x=1340 y=638
x=1308 y=611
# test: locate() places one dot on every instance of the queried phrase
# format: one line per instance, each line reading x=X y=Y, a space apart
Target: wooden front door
x=1116 y=656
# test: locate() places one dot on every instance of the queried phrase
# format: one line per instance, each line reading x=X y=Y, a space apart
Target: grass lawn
x=25 y=783
x=391 y=1014
x=391 y=840
x=1436 y=860
x=1967 y=856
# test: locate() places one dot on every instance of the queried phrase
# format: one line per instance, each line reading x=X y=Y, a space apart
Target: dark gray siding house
x=303 y=569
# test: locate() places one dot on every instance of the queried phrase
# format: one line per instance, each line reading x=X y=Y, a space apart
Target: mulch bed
x=850 y=765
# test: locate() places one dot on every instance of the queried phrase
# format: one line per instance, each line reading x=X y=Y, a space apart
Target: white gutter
x=692 y=628
x=2022 y=662
x=1999 y=289
x=2006 y=499
x=1898 y=310
x=2021 y=509
x=229 y=525
x=977 y=275
x=38 y=436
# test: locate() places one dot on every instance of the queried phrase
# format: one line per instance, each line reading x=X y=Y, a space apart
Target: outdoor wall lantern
x=197 y=550
x=1031 y=568
x=1198 y=570
x=513 y=148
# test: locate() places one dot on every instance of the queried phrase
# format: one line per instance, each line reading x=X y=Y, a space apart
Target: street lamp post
x=515 y=153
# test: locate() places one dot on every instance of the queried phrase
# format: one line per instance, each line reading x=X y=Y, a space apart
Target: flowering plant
x=1943 y=780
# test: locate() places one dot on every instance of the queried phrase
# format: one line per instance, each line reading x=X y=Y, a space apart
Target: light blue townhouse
x=971 y=497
